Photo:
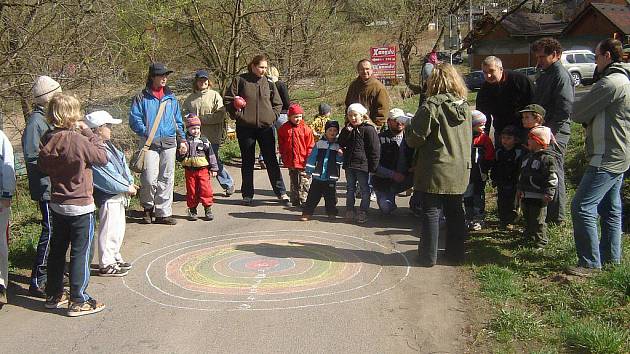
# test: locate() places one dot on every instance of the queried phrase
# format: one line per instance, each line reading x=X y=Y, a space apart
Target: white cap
x=394 y=113
x=357 y=107
x=98 y=118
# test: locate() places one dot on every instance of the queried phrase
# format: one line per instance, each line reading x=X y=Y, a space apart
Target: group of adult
x=440 y=132
x=604 y=112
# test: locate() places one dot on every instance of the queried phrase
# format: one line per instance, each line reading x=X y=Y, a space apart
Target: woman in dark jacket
x=441 y=133
x=254 y=123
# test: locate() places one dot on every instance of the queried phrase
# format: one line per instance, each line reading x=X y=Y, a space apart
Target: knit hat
x=478 y=118
x=357 y=107
x=44 y=88
x=541 y=135
x=331 y=124
x=99 y=118
x=192 y=120
x=534 y=108
x=324 y=109
x=294 y=109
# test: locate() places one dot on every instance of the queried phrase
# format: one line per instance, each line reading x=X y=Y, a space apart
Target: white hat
x=44 y=88
x=394 y=113
x=98 y=118
x=357 y=107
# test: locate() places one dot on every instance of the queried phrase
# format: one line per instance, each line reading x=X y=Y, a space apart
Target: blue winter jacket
x=312 y=161
x=144 y=108
x=113 y=178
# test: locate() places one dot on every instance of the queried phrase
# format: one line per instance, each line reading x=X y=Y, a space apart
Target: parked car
x=581 y=65
x=446 y=57
x=531 y=72
x=474 y=80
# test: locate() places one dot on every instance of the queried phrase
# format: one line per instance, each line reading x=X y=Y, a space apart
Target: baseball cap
x=534 y=108
x=156 y=69
x=99 y=118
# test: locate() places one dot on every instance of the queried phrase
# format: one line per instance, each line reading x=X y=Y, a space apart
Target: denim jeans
x=38 y=274
x=224 y=178
x=456 y=233
x=386 y=201
x=247 y=139
x=352 y=176
x=598 y=193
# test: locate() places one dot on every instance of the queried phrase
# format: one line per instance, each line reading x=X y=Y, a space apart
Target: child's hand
x=213 y=173
x=519 y=195
x=340 y=152
x=183 y=148
x=547 y=199
x=398 y=177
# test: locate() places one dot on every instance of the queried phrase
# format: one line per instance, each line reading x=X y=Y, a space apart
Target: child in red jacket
x=295 y=140
x=482 y=160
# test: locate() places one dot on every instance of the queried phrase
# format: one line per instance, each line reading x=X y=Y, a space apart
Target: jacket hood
x=456 y=110
x=623 y=68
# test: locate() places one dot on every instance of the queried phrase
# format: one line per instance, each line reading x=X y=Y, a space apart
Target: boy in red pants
x=199 y=164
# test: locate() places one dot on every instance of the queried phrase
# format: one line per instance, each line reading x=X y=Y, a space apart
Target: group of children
x=524 y=174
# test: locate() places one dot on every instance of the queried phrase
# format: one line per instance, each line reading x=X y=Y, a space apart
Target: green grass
x=596 y=337
x=515 y=324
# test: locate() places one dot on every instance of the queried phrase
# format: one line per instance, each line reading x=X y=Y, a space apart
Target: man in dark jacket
x=502 y=95
x=393 y=173
x=555 y=92
x=38 y=182
x=369 y=92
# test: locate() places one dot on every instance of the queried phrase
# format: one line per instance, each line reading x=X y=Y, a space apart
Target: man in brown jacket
x=369 y=92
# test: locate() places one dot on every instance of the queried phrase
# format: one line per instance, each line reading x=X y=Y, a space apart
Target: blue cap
x=156 y=69
x=202 y=74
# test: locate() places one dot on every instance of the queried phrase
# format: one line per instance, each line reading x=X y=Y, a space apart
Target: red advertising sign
x=383 y=61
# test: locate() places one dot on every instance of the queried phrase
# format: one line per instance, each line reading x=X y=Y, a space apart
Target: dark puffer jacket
x=361 y=148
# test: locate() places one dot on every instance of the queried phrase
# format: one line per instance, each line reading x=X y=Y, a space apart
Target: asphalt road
x=257 y=280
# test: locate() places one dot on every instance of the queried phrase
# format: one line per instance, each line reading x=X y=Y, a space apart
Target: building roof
x=618 y=15
x=525 y=24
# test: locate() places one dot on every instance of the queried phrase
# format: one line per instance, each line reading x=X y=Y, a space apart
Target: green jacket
x=441 y=133
x=208 y=105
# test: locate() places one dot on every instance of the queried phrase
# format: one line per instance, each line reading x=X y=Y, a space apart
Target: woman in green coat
x=441 y=133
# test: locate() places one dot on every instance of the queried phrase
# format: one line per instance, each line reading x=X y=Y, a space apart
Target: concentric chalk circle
x=266 y=270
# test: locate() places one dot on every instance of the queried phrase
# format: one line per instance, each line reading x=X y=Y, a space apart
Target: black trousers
x=506 y=204
x=77 y=232
x=318 y=189
x=534 y=213
x=247 y=138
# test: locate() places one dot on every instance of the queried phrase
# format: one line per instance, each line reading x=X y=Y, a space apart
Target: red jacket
x=295 y=144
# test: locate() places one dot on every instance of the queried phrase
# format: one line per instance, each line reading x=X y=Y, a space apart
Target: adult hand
x=81 y=125
x=398 y=177
x=519 y=195
x=213 y=173
x=132 y=190
x=183 y=148
x=547 y=199
x=340 y=152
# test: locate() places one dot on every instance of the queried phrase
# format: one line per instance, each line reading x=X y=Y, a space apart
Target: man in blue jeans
x=605 y=113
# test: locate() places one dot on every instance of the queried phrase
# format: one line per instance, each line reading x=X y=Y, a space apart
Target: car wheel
x=577 y=78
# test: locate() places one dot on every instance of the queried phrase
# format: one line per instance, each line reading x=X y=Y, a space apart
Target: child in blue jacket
x=324 y=164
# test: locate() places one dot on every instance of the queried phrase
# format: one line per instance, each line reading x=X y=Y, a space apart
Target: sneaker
x=36 y=292
x=192 y=214
x=350 y=215
x=208 y=213
x=146 y=216
x=362 y=217
x=112 y=270
x=373 y=196
x=165 y=220
x=305 y=217
x=247 y=201
x=124 y=265
x=85 y=308
x=284 y=198
x=229 y=191
x=57 y=301
x=582 y=271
